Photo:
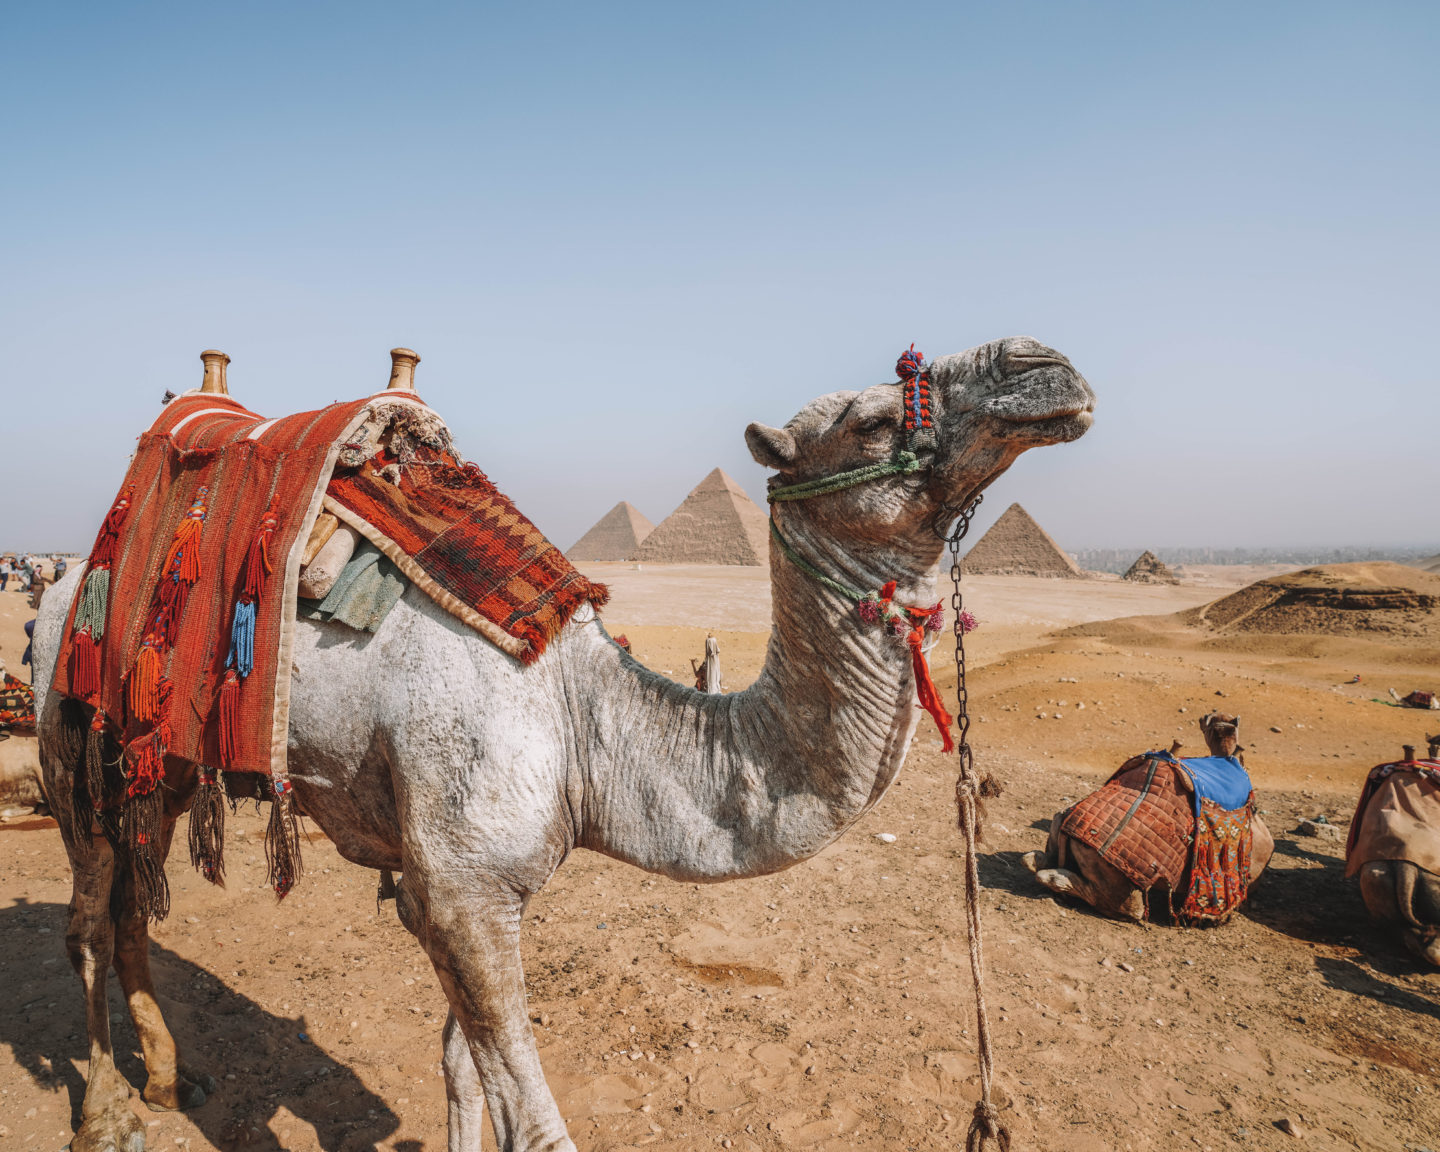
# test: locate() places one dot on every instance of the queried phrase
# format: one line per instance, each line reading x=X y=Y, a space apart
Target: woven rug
x=449 y=529
x=17 y=705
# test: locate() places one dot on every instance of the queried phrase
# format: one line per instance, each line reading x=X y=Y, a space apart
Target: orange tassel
x=84 y=665
x=925 y=688
x=147 y=765
x=229 y=704
x=183 y=559
x=143 y=695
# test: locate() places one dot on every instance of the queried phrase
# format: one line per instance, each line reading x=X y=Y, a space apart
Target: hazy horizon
x=616 y=236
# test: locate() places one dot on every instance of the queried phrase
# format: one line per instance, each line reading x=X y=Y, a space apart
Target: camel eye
x=872 y=425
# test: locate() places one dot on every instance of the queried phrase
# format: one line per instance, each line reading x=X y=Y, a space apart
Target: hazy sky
x=617 y=233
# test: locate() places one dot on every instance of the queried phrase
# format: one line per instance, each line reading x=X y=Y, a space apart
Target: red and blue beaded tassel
x=915 y=380
x=241 y=659
x=93 y=603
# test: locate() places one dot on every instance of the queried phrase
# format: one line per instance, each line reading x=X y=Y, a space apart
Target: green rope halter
x=905 y=463
x=837 y=586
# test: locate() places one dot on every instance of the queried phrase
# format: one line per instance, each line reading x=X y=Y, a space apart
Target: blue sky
x=618 y=233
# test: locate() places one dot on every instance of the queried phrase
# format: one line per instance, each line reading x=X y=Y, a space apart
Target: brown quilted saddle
x=1141 y=822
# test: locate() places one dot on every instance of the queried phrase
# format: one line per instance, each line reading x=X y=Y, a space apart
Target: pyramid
x=1430 y=565
x=615 y=536
x=716 y=524
x=1017 y=546
x=1150 y=569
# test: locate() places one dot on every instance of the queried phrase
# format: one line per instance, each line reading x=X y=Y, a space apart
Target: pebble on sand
x=885 y=837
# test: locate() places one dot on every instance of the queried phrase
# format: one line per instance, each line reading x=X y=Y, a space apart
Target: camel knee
x=1377 y=890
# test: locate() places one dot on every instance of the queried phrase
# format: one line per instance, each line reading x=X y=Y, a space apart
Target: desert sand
x=829 y=1006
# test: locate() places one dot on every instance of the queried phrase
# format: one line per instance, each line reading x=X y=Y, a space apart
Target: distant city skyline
x=617 y=235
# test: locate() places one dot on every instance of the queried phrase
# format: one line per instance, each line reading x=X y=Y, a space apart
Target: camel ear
x=771 y=447
x=1237 y=724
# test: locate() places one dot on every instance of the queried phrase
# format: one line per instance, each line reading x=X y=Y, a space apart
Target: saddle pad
x=1152 y=846
x=1220 y=779
x=1398 y=817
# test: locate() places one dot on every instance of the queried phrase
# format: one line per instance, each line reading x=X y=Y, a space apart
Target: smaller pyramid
x=615 y=536
x=1017 y=546
x=1430 y=565
x=716 y=524
x=1150 y=569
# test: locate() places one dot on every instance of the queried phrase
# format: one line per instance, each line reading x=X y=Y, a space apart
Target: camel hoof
x=184 y=1096
x=119 y=1130
x=1033 y=861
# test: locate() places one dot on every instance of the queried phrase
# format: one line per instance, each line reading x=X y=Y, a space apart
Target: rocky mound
x=1378 y=600
x=1150 y=569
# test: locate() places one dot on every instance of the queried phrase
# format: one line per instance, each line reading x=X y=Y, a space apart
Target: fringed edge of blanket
x=527 y=651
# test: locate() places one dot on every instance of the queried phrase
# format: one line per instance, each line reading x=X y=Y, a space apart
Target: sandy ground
x=829 y=1006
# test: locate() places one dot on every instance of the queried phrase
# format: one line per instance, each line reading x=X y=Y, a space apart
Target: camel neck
x=701 y=787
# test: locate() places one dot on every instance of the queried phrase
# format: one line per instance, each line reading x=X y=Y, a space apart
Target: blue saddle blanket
x=1220 y=779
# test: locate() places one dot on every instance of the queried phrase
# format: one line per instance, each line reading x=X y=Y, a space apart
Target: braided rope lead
x=905 y=463
x=985 y=1124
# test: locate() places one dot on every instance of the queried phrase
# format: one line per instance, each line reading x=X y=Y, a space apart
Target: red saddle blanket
x=183 y=631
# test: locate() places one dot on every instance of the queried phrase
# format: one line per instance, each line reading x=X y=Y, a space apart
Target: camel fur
x=1072 y=868
x=427 y=751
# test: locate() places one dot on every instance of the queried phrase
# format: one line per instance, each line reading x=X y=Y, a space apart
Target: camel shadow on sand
x=221 y=1032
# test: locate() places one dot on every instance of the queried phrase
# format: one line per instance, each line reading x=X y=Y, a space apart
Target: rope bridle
x=970 y=788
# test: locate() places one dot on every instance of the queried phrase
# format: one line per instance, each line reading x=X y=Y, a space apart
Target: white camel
x=426 y=750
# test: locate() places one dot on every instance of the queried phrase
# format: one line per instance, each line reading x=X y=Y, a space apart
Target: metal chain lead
x=985 y=1124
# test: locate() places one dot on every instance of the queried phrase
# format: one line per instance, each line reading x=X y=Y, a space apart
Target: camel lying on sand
x=1074 y=868
x=1394 y=849
x=426 y=750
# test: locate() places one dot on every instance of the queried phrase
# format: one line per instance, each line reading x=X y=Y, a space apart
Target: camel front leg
x=470 y=928
x=463 y=1093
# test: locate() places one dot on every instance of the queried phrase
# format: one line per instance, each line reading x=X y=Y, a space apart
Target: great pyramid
x=716 y=524
x=1017 y=546
x=1150 y=569
x=615 y=536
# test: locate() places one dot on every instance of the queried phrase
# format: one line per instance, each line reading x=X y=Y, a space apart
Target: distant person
x=61 y=567
x=5 y=572
x=27 y=574
x=29 y=644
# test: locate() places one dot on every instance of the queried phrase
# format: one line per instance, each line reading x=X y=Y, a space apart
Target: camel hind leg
x=167 y=1087
x=107 y=1123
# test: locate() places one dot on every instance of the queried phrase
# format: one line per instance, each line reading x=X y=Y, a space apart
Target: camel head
x=989 y=405
x=1222 y=734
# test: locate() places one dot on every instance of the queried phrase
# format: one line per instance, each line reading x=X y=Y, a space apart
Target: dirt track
x=828 y=1006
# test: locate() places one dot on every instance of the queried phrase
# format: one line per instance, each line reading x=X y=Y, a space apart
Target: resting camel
x=1395 y=850
x=1073 y=868
x=425 y=750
